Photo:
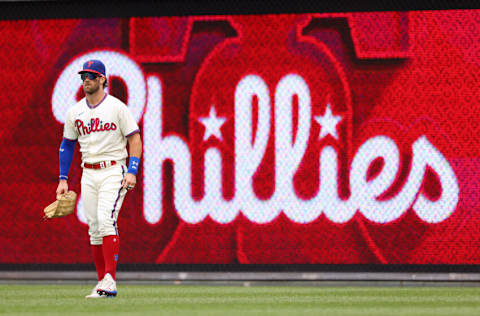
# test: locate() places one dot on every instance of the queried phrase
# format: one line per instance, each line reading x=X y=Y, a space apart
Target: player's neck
x=95 y=98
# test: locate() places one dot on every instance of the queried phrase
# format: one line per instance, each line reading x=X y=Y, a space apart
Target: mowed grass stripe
x=226 y=300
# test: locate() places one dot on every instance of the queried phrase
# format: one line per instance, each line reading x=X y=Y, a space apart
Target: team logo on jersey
x=95 y=125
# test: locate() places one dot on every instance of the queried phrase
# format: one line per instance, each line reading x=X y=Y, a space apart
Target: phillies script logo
x=271 y=131
x=95 y=125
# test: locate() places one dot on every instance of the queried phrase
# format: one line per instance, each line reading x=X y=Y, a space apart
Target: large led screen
x=346 y=138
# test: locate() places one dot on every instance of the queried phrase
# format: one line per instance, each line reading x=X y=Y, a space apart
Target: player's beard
x=92 y=89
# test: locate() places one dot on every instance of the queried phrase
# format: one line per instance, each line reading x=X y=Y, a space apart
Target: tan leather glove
x=63 y=206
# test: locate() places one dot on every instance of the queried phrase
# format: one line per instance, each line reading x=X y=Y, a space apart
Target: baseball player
x=102 y=125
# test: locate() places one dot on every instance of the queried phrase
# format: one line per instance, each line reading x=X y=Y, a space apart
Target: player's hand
x=62 y=187
x=129 y=181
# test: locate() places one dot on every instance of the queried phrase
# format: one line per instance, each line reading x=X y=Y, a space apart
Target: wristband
x=133 y=164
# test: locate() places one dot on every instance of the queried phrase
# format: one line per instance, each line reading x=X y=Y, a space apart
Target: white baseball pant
x=102 y=196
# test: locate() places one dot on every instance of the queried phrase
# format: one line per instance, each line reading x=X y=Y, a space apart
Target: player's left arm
x=135 y=152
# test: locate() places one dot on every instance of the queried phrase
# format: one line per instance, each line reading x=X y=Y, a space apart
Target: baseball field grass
x=237 y=300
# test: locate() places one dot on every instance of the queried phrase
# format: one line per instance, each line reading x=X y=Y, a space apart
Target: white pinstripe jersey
x=101 y=130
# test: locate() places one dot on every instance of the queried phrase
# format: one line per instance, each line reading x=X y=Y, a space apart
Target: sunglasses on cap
x=89 y=75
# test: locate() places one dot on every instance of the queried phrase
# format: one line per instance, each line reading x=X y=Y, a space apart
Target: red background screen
x=268 y=139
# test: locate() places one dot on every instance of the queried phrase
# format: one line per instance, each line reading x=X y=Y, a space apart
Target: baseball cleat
x=94 y=293
x=108 y=287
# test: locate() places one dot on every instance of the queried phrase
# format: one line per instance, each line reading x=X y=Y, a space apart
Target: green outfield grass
x=68 y=300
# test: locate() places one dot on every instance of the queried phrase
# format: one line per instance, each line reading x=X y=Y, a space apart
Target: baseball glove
x=63 y=206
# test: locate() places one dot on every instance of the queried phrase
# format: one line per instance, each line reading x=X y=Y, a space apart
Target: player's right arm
x=65 y=157
x=65 y=153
